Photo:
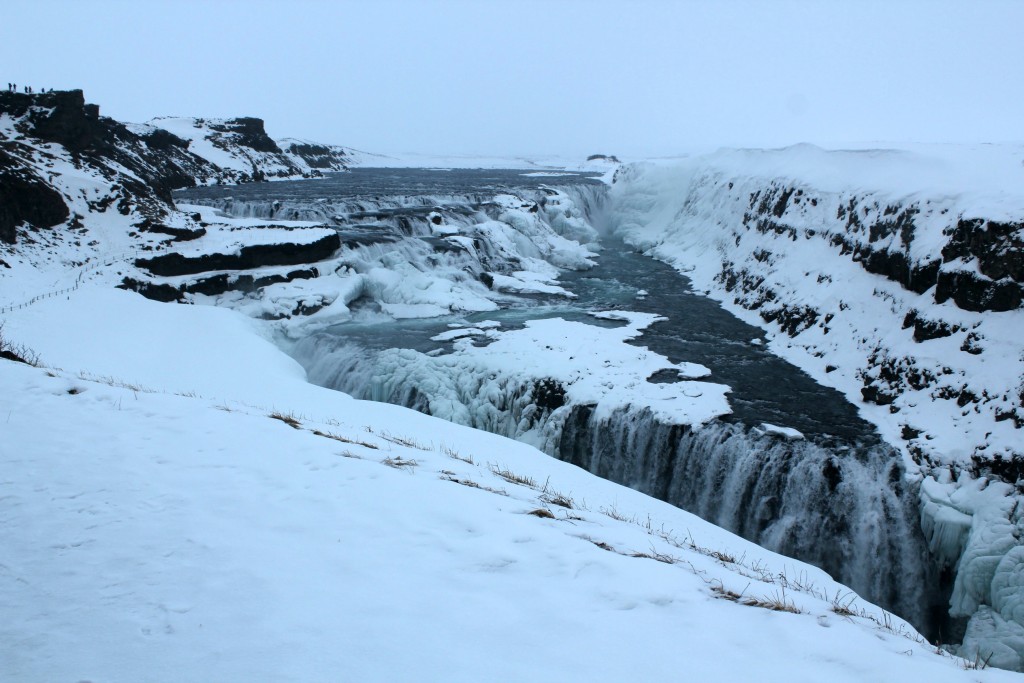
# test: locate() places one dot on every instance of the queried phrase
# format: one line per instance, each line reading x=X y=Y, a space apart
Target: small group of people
x=13 y=87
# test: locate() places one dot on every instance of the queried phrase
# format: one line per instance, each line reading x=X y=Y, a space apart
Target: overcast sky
x=568 y=77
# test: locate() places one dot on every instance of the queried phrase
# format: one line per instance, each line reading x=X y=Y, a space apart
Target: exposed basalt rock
x=26 y=198
x=317 y=156
x=248 y=257
x=224 y=282
x=215 y=285
x=247 y=131
x=159 y=162
x=1009 y=469
x=879 y=238
x=142 y=164
x=873 y=394
x=548 y=394
x=163 y=293
x=972 y=344
x=185 y=234
x=928 y=329
x=972 y=292
x=998 y=247
x=141 y=170
x=62 y=117
x=665 y=376
x=791 y=318
x=889 y=377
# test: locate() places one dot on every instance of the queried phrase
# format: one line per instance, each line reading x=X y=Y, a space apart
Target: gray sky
x=568 y=77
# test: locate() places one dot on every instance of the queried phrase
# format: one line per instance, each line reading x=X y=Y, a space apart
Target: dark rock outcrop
x=972 y=292
x=141 y=170
x=879 y=238
x=26 y=198
x=163 y=293
x=248 y=257
x=247 y=131
x=214 y=285
x=317 y=156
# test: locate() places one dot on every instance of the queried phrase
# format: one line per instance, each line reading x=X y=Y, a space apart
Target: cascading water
x=850 y=512
x=839 y=499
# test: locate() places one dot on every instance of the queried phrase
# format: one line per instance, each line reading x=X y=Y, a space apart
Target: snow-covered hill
x=179 y=503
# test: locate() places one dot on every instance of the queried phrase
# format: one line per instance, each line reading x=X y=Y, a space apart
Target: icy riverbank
x=833 y=251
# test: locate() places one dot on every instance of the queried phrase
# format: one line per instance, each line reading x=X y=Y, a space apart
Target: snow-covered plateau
x=181 y=502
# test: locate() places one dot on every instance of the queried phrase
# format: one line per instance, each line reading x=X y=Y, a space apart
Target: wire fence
x=79 y=279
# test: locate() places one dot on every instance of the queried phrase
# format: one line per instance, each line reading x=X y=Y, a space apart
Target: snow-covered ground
x=179 y=503
x=693 y=216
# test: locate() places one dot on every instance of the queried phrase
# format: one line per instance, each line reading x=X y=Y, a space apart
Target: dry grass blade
x=774 y=602
x=288 y=419
x=512 y=477
x=404 y=441
x=452 y=453
x=722 y=592
x=450 y=476
x=339 y=437
x=399 y=463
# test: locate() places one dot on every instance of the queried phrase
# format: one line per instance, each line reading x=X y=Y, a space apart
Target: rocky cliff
x=896 y=278
x=49 y=141
x=317 y=156
x=901 y=291
x=242 y=151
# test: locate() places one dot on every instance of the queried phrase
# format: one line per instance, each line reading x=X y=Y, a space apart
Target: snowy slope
x=171 y=514
x=771 y=234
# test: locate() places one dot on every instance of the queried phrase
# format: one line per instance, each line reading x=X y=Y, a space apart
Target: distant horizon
x=565 y=78
x=696 y=148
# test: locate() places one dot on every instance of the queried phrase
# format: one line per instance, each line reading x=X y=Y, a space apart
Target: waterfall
x=849 y=510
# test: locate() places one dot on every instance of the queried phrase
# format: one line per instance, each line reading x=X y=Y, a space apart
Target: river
x=837 y=499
